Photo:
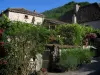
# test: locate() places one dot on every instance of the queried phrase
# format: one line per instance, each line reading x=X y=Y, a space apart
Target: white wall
x=38 y=20
x=95 y=24
x=37 y=64
x=21 y=17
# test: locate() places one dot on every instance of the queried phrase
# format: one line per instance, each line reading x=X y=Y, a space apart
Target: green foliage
x=22 y=42
x=72 y=58
x=57 y=12
x=73 y=34
x=26 y=41
x=4 y=22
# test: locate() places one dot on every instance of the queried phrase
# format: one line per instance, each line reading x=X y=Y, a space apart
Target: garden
x=21 y=41
x=77 y=46
x=18 y=43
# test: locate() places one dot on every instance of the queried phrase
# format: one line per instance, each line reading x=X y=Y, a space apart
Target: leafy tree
x=73 y=34
x=57 y=12
x=22 y=42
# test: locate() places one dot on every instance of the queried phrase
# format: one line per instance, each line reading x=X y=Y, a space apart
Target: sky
x=38 y=5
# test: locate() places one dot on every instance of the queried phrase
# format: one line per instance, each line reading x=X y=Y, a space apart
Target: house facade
x=89 y=15
x=23 y=15
x=86 y=15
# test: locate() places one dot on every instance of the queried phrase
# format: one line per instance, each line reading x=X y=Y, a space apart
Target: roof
x=89 y=13
x=86 y=13
x=53 y=21
x=23 y=11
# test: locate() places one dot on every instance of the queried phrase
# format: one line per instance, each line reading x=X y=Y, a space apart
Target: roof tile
x=23 y=11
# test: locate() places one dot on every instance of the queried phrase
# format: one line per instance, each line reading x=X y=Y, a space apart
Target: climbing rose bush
x=25 y=41
x=91 y=35
x=3 y=62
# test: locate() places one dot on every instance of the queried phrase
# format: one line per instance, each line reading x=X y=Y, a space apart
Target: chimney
x=74 y=19
x=2 y=12
x=34 y=11
x=76 y=8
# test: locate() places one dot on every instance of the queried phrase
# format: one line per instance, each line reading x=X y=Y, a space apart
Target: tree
x=73 y=34
x=56 y=13
x=22 y=42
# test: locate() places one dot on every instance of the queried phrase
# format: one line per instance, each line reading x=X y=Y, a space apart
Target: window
x=52 y=27
x=26 y=16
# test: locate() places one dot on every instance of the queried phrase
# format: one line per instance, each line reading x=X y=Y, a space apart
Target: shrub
x=73 y=34
x=25 y=41
x=71 y=58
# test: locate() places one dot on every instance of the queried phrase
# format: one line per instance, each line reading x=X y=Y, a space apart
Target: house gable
x=23 y=15
x=23 y=11
x=88 y=13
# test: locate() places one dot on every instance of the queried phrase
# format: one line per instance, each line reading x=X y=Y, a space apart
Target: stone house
x=52 y=23
x=88 y=15
x=23 y=15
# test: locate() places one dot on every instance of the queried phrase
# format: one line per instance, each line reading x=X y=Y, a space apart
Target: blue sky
x=38 y=5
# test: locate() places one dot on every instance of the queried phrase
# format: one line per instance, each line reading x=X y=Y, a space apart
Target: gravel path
x=89 y=69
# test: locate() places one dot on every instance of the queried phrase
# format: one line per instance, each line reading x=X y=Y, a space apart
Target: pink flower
x=5 y=62
x=91 y=35
x=0 y=62
x=1 y=31
x=1 y=43
x=43 y=70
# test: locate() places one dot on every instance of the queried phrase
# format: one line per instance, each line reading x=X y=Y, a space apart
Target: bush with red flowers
x=43 y=70
x=3 y=52
x=3 y=62
x=1 y=43
x=1 y=32
x=91 y=36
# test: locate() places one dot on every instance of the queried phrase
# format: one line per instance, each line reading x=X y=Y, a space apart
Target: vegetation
x=71 y=59
x=73 y=34
x=57 y=12
x=22 y=41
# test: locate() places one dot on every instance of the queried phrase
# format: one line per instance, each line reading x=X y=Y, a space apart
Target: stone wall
x=21 y=17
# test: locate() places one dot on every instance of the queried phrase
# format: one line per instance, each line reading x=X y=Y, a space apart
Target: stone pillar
x=53 y=58
x=74 y=17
